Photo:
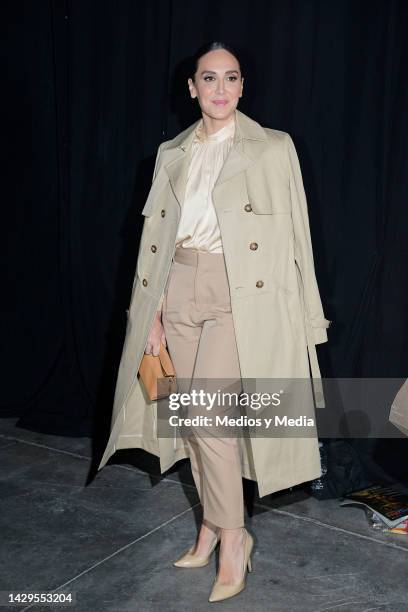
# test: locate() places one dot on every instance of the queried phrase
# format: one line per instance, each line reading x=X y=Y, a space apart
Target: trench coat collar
x=248 y=142
x=245 y=127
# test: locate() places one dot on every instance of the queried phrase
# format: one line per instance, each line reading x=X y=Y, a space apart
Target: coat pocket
x=267 y=206
x=268 y=192
x=262 y=209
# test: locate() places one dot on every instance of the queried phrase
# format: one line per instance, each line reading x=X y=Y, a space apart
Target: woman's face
x=218 y=84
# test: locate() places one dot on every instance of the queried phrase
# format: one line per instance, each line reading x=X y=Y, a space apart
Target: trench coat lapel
x=242 y=154
x=177 y=167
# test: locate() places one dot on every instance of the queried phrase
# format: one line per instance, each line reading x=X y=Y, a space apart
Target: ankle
x=208 y=528
x=233 y=536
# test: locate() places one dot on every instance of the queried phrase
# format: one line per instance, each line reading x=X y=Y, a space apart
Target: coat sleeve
x=156 y=165
x=303 y=249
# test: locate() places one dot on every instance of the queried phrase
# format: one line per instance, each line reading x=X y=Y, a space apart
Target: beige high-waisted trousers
x=198 y=324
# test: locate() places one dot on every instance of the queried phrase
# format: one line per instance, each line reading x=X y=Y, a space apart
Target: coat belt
x=314 y=365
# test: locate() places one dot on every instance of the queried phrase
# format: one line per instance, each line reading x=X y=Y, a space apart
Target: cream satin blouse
x=198 y=225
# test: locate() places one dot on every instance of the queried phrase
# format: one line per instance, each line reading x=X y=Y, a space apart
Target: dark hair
x=212 y=46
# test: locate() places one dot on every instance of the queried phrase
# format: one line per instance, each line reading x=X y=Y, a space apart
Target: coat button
x=248 y=207
x=153 y=248
x=253 y=246
x=259 y=284
x=163 y=212
x=144 y=282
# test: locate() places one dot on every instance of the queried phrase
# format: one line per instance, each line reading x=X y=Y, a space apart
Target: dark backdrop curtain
x=92 y=88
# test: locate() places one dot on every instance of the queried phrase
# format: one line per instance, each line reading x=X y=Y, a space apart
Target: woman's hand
x=156 y=336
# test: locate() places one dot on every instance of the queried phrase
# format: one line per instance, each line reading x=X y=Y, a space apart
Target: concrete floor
x=111 y=542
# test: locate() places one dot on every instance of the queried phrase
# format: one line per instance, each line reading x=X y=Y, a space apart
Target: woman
x=225 y=277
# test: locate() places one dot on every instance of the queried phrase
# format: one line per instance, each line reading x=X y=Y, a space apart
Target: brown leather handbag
x=152 y=368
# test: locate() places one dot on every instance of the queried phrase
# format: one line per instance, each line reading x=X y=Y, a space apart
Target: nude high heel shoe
x=191 y=561
x=224 y=591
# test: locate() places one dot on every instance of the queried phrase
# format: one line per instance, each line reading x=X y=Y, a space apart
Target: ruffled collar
x=222 y=134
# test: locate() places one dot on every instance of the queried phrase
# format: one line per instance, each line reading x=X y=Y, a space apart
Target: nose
x=220 y=86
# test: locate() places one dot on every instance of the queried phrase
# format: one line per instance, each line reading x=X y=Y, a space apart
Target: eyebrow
x=213 y=72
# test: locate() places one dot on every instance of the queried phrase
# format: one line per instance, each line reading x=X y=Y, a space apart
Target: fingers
x=154 y=341
x=151 y=341
x=152 y=348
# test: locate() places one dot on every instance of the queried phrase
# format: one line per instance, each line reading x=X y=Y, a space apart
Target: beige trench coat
x=277 y=324
x=399 y=409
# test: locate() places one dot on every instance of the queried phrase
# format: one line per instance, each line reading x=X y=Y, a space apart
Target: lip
x=220 y=102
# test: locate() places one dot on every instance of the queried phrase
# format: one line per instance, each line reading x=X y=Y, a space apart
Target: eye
x=233 y=77
x=208 y=77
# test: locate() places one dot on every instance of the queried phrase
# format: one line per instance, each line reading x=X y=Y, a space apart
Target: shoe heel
x=249 y=564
